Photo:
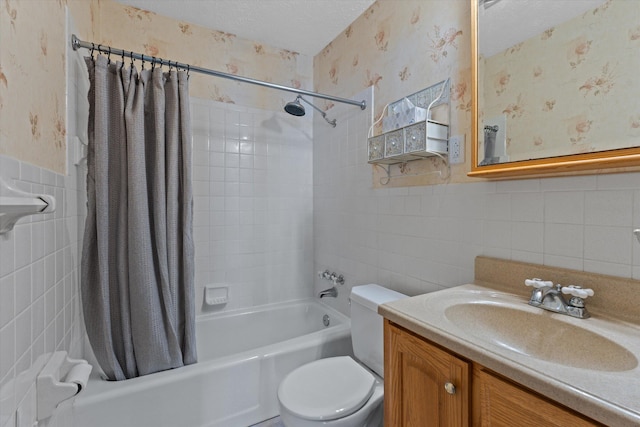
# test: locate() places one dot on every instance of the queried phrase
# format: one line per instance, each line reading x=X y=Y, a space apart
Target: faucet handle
x=577 y=291
x=538 y=283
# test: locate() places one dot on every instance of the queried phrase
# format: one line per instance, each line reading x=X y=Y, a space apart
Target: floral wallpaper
x=32 y=82
x=595 y=58
x=32 y=66
x=155 y=35
x=401 y=47
x=398 y=47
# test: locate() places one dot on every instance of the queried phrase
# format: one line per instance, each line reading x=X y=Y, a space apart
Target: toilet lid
x=326 y=389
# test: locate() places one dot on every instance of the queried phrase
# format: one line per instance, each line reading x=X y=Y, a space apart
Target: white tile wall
x=425 y=238
x=39 y=306
x=252 y=203
x=39 y=271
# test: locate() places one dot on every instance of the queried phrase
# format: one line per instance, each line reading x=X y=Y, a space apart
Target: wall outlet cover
x=456 y=149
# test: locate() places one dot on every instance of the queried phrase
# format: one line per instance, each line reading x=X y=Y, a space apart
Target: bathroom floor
x=273 y=422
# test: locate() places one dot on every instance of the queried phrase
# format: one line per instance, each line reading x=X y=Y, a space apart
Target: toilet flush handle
x=450 y=388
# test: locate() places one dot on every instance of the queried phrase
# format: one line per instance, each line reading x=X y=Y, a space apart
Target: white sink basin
x=536 y=333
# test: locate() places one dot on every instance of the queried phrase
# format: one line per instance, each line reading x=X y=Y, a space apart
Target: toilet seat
x=326 y=389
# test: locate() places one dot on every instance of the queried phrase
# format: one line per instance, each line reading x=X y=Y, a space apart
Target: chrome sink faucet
x=549 y=297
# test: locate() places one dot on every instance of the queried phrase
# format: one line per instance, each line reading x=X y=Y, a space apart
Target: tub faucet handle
x=324 y=274
x=337 y=280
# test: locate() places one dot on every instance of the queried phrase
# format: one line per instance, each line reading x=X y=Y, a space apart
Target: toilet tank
x=366 y=324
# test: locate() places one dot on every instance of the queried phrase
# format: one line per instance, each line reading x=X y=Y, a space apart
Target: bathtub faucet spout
x=331 y=292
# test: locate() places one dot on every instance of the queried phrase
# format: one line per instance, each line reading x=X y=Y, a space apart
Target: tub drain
x=325 y=320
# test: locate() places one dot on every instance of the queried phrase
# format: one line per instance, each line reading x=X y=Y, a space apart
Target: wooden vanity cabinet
x=416 y=372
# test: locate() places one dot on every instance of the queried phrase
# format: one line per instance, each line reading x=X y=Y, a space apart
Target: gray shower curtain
x=138 y=256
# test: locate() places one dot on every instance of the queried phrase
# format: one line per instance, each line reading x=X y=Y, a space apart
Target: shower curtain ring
x=143 y=62
x=188 y=71
x=153 y=63
x=131 y=56
x=93 y=48
x=109 y=56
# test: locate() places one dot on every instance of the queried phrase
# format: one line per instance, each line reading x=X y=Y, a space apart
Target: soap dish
x=216 y=295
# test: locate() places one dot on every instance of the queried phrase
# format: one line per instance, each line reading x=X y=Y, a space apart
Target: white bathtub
x=242 y=357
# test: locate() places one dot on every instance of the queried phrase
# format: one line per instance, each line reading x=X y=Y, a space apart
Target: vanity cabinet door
x=424 y=386
x=501 y=403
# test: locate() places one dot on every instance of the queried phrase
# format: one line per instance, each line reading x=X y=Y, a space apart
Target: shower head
x=297 y=109
x=294 y=107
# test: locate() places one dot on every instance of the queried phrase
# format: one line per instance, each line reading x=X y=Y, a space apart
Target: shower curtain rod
x=76 y=43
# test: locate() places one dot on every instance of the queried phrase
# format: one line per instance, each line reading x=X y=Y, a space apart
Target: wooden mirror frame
x=562 y=165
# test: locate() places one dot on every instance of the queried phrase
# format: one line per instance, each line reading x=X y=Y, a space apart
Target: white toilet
x=340 y=391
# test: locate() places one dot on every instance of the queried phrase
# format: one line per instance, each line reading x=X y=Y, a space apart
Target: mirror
x=556 y=86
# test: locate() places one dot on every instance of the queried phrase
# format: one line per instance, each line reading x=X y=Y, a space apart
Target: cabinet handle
x=450 y=388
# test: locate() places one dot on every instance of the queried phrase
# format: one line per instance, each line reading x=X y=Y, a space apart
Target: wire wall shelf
x=410 y=133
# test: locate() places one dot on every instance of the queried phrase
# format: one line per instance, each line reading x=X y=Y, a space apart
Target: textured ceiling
x=304 y=26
